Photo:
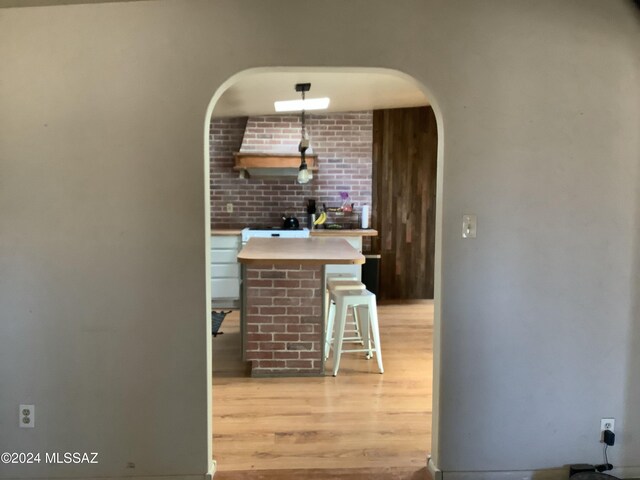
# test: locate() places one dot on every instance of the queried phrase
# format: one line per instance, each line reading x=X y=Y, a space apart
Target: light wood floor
x=342 y=427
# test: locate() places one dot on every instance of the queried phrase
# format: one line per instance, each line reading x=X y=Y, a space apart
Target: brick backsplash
x=342 y=142
x=284 y=320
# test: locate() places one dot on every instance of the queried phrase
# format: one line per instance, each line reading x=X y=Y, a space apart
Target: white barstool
x=341 y=300
x=334 y=278
x=343 y=282
x=343 y=276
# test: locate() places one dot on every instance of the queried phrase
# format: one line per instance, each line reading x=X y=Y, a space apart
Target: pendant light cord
x=303 y=132
x=303 y=124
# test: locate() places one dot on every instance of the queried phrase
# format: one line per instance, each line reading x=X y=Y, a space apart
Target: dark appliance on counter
x=311 y=213
x=290 y=223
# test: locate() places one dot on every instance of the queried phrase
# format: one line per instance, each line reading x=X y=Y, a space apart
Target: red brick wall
x=284 y=320
x=342 y=142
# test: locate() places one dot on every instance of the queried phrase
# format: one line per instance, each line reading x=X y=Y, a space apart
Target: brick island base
x=283 y=320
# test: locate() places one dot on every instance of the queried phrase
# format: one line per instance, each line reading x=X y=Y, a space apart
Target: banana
x=321 y=219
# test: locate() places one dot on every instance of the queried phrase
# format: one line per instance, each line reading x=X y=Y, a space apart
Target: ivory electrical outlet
x=27 y=416
x=229 y=207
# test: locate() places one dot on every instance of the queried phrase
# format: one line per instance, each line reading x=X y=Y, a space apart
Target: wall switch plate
x=27 y=416
x=469 y=226
x=229 y=207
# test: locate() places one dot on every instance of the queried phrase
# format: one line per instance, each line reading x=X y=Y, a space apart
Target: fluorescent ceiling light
x=298 y=105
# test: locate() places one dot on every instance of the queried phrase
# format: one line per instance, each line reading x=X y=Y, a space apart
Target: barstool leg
x=338 y=334
x=373 y=315
x=365 y=325
x=327 y=302
x=357 y=325
x=328 y=333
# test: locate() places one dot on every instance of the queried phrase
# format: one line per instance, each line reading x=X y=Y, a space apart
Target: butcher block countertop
x=226 y=231
x=299 y=251
x=358 y=232
x=370 y=232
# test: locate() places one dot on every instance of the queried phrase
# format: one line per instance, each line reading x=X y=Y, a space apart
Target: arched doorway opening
x=229 y=100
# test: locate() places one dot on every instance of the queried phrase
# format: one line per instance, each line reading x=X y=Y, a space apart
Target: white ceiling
x=254 y=93
x=46 y=3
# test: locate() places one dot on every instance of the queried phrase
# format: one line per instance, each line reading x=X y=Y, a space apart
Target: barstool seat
x=343 y=282
x=340 y=302
x=344 y=276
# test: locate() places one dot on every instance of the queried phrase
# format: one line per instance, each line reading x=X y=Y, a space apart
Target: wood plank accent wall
x=405 y=142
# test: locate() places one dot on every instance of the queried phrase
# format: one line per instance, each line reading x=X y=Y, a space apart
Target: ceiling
x=45 y=3
x=254 y=93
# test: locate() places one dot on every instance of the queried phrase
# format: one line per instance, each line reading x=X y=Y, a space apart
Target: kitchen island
x=282 y=320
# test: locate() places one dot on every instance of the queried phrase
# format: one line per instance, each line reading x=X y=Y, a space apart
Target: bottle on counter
x=364 y=219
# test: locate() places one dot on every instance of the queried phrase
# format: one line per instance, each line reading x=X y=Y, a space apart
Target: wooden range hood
x=271 y=164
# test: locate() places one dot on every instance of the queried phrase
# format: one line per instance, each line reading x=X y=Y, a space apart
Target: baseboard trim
x=548 y=474
x=626 y=472
x=551 y=474
x=206 y=476
x=212 y=470
x=434 y=471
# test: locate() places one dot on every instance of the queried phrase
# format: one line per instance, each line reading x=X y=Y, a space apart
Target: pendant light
x=304 y=174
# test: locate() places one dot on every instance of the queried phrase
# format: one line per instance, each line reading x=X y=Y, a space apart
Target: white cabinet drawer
x=225 y=241
x=219 y=255
x=225 y=288
x=225 y=270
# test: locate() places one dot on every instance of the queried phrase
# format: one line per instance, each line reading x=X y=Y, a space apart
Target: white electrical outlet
x=229 y=207
x=27 y=416
x=606 y=424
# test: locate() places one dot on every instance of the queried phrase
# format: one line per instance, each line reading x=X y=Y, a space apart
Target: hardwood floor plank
x=328 y=474
x=359 y=424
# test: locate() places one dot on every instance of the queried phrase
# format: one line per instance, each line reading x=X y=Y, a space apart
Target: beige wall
x=102 y=218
